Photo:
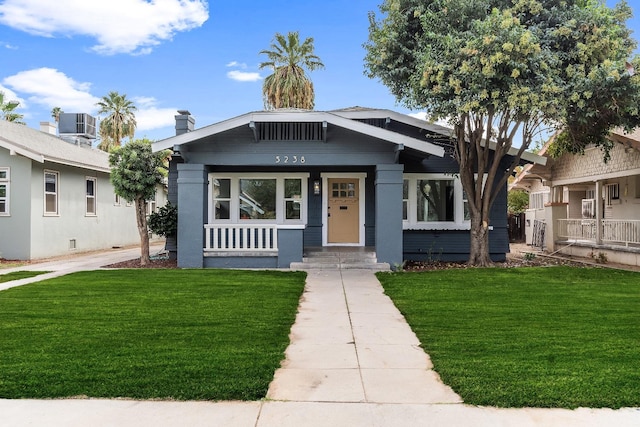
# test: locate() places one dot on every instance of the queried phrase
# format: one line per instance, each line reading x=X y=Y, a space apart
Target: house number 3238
x=290 y=159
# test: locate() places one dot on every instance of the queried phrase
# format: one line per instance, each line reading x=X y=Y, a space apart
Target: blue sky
x=167 y=55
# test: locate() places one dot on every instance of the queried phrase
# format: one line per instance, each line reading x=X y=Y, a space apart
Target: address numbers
x=290 y=159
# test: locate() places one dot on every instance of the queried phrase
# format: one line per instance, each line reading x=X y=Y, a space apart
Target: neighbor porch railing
x=240 y=238
x=614 y=231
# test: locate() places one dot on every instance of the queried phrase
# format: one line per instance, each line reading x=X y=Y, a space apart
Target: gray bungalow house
x=261 y=189
x=56 y=197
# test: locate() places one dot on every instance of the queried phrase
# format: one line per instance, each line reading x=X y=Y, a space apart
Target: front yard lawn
x=147 y=334
x=528 y=337
x=17 y=275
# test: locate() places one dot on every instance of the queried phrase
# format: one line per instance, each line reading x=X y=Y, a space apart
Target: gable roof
x=40 y=147
x=337 y=118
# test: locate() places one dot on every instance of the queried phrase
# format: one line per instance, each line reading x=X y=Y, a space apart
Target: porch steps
x=340 y=258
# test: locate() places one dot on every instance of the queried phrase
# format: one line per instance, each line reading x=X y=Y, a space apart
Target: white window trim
x=94 y=197
x=411 y=223
x=7 y=199
x=57 y=193
x=234 y=203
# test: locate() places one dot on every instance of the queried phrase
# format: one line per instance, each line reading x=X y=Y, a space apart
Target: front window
x=434 y=201
x=257 y=198
x=292 y=198
x=51 y=179
x=91 y=196
x=272 y=198
x=4 y=191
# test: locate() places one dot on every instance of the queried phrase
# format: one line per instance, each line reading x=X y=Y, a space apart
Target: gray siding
x=15 y=230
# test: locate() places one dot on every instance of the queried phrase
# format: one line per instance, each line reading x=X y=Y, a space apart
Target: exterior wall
x=113 y=225
x=192 y=205
x=388 y=209
x=591 y=164
x=15 y=231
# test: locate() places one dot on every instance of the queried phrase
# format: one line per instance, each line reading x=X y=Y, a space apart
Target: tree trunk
x=143 y=230
x=479 y=244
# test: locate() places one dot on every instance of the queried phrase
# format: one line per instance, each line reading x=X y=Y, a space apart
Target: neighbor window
x=248 y=197
x=4 y=191
x=51 y=180
x=91 y=195
x=537 y=200
x=434 y=201
x=152 y=205
x=612 y=192
x=116 y=199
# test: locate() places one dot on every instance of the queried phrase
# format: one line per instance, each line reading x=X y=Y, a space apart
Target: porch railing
x=615 y=231
x=240 y=237
x=621 y=231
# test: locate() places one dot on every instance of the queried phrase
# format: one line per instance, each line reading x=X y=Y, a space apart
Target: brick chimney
x=48 y=127
x=184 y=122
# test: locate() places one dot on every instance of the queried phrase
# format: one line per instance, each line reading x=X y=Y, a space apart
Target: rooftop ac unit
x=82 y=125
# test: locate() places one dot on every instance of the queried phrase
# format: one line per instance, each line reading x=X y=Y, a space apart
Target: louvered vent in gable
x=290 y=131
x=380 y=123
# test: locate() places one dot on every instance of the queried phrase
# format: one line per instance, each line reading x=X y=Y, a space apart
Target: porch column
x=389 y=213
x=599 y=213
x=554 y=210
x=192 y=214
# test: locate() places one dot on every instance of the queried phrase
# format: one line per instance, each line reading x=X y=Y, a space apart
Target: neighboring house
x=56 y=196
x=259 y=189
x=585 y=206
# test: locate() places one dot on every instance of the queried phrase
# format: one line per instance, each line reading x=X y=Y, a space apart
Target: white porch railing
x=621 y=231
x=240 y=237
x=614 y=231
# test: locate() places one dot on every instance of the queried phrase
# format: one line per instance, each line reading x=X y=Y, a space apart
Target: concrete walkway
x=353 y=361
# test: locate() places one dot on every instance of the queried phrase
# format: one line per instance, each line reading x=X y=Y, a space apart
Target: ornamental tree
x=135 y=173
x=504 y=71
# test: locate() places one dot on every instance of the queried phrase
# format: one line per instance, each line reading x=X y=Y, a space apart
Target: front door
x=343 y=211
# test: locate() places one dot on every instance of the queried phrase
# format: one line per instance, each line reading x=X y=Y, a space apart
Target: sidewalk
x=353 y=361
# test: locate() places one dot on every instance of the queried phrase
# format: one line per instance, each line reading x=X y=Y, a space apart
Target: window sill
x=438 y=227
x=51 y=215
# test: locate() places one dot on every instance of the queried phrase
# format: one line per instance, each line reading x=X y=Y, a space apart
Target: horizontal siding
x=449 y=245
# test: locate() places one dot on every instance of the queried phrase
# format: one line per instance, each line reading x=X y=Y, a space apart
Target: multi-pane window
x=292 y=198
x=405 y=199
x=51 y=180
x=243 y=198
x=434 y=201
x=222 y=198
x=4 y=191
x=91 y=184
x=612 y=192
x=538 y=199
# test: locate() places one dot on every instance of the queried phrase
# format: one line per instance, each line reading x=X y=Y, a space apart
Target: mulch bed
x=154 y=263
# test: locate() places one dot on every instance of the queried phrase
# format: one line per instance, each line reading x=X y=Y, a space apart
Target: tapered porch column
x=192 y=214
x=389 y=213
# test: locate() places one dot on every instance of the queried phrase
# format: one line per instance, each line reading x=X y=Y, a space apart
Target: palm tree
x=55 y=113
x=119 y=122
x=289 y=86
x=7 y=110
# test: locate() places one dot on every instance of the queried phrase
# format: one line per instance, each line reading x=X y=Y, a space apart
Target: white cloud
x=149 y=116
x=52 y=88
x=8 y=45
x=10 y=95
x=237 y=64
x=119 y=26
x=243 y=76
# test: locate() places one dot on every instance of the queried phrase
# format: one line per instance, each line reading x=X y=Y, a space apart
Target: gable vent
x=379 y=123
x=290 y=131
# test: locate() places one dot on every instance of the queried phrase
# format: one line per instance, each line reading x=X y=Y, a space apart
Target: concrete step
x=309 y=265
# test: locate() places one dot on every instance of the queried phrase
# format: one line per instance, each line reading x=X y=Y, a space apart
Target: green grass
x=17 y=275
x=528 y=337
x=147 y=334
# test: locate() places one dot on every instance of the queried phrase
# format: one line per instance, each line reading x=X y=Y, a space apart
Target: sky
x=169 y=55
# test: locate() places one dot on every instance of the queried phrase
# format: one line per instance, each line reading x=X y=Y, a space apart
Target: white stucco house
x=580 y=205
x=56 y=197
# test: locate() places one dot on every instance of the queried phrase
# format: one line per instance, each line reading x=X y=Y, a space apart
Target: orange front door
x=343 y=210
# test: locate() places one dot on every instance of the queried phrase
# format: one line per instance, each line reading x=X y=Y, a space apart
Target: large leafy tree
x=502 y=71
x=7 y=109
x=135 y=173
x=119 y=120
x=289 y=86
